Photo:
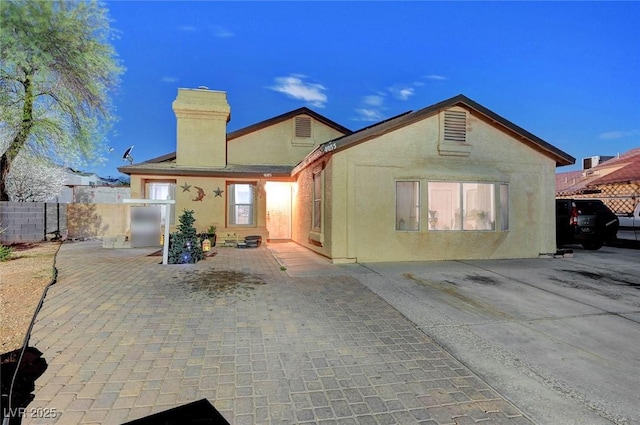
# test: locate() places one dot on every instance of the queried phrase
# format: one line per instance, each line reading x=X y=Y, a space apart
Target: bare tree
x=57 y=72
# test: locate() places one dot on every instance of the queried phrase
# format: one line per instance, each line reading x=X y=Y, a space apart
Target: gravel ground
x=22 y=280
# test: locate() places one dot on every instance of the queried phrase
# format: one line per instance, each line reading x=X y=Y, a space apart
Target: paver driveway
x=126 y=337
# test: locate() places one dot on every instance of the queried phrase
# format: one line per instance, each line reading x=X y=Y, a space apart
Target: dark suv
x=585 y=221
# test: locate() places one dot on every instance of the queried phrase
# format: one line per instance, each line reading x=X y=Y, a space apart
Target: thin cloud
x=221 y=32
x=373 y=100
x=402 y=92
x=371 y=108
x=619 y=134
x=187 y=28
x=369 y=114
x=294 y=87
x=435 y=77
x=166 y=79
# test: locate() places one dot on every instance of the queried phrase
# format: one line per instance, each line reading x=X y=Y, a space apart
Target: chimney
x=202 y=116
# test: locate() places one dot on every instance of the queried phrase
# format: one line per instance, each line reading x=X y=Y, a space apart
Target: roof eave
x=279 y=173
x=562 y=158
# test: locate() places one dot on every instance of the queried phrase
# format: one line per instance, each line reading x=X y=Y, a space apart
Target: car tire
x=593 y=245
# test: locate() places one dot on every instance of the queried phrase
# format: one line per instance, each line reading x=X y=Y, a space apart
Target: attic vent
x=455 y=126
x=303 y=127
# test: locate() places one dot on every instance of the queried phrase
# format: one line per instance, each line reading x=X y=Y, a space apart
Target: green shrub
x=184 y=244
x=5 y=252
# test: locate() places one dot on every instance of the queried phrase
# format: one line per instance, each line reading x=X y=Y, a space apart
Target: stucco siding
x=275 y=145
x=99 y=220
x=211 y=209
x=467 y=158
x=302 y=231
x=201 y=123
x=367 y=173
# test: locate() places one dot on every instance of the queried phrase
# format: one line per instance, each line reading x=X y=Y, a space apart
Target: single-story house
x=451 y=181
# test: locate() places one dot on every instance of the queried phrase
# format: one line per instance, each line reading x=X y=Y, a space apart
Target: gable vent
x=303 y=126
x=455 y=126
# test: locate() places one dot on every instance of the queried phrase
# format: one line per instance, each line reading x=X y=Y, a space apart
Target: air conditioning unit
x=592 y=161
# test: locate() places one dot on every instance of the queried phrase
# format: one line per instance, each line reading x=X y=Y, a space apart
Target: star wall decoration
x=185 y=187
x=218 y=192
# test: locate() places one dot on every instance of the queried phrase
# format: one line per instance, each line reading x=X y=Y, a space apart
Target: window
x=162 y=191
x=478 y=206
x=444 y=206
x=408 y=205
x=466 y=206
x=317 y=201
x=241 y=201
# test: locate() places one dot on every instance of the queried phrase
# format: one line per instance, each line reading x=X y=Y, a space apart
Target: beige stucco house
x=451 y=181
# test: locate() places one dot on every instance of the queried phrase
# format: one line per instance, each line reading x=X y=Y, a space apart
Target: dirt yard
x=23 y=279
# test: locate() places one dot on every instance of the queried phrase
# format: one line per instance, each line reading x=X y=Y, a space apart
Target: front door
x=279 y=210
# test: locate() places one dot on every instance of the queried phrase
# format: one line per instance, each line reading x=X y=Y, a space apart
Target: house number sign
x=329 y=147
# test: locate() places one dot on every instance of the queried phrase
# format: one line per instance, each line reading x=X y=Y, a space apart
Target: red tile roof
x=623 y=169
x=629 y=172
x=568 y=179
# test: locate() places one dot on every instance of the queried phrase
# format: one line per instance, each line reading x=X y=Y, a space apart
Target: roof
x=171 y=169
x=287 y=116
x=628 y=172
x=407 y=118
x=252 y=128
x=567 y=179
x=623 y=169
x=353 y=138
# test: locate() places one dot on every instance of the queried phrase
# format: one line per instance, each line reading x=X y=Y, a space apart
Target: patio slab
x=126 y=337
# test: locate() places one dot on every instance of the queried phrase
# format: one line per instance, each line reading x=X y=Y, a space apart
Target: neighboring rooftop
x=623 y=169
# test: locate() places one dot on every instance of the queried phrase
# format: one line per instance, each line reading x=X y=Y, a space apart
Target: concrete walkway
x=125 y=337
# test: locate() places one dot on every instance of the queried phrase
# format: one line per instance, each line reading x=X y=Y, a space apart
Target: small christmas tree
x=184 y=245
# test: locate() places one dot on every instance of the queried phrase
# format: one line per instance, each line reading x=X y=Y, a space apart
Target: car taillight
x=573 y=221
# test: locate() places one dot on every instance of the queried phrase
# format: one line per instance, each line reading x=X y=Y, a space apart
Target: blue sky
x=568 y=72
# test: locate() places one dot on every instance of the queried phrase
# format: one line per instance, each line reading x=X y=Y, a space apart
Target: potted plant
x=211 y=235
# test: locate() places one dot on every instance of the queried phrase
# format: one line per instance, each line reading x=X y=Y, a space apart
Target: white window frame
x=464 y=217
x=170 y=195
x=232 y=205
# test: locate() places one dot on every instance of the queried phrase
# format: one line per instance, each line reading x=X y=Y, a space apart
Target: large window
x=241 y=201
x=466 y=206
x=162 y=191
x=317 y=201
x=444 y=206
x=408 y=205
x=478 y=206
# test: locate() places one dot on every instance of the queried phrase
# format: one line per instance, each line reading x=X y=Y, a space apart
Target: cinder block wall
x=25 y=221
